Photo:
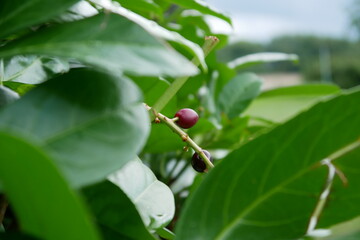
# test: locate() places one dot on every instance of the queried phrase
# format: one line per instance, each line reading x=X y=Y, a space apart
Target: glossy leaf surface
x=101 y=47
x=32 y=69
x=90 y=123
x=257 y=190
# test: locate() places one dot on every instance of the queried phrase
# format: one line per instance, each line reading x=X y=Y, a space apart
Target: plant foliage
x=88 y=147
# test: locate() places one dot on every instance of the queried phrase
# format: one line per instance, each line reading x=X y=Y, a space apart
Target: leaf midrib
x=261 y=199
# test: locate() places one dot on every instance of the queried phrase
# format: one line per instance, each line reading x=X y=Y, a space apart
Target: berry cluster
x=186 y=118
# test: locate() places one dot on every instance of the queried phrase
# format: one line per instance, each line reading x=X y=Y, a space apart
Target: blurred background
x=324 y=34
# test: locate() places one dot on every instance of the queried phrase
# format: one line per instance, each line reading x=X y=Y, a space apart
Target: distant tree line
x=340 y=58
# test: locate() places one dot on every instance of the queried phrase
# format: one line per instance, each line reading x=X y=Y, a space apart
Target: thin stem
x=184 y=136
x=210 y=43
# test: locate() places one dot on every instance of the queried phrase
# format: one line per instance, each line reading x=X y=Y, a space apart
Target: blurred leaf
x=16 y=236
x=230 y=136
x=238 y=94
x=202 y=7
x=7 y=96
x=153 y=199
x=20 y=88
x=258 y=58
x=17 y=14
x=114 y=210
x=153 y=88
x=32 y=69
x=89 y=122
x=202 y=126
x=162 y=33
x=79 y=11
x=268 y=188
x=162 y=139
x=100 y=46
x=142 y=6
x=281 y=104
x=165 y=233
x=42 y=199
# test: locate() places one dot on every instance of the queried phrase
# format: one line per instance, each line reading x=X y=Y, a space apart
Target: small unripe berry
x=187 y=118
x=198 y=163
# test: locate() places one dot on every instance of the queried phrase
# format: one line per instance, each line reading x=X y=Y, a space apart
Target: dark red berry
x=187 y=118
x=198 y=163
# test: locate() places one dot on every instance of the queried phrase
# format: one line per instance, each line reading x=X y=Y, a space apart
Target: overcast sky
x=260 y=20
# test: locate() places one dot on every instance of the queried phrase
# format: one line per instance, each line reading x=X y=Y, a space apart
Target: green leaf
x=268 y=188
x=16 y=15
x=94 y=42
x=153 y=88
x=162 y=139
x=142 y=6
x=32 y=69
x=7 y=96
x=16 y=236
x=80 y=10
x=165 y=233
x=42 y=199
x=202 y=7
x=259 y=58
x=344 y=231
x=281 y=104
x=90 y=123
x=153 y=199
x=238 y=94
x=114 y=210
x=230 y=136
x=342 y=202
x=157 y=31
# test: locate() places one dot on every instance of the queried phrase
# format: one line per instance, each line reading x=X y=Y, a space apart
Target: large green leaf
x=202 y=7
x=114 y=211
x=238 y=94
x=281 y=104
x=153 y=199
x=108 y=41
x=42 y=199
x=90 y=123
x=155 y=29
x=31 y=69
x=17 y=14
x=268 y=188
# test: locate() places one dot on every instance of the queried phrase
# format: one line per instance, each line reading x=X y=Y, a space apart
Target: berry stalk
x=184 y=136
